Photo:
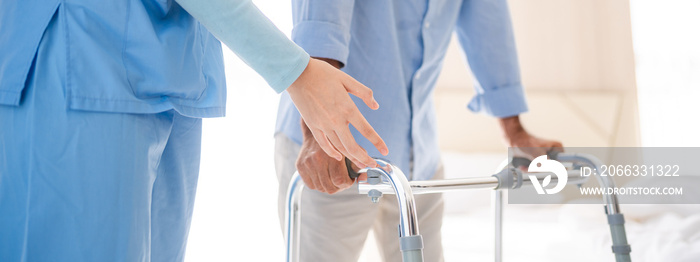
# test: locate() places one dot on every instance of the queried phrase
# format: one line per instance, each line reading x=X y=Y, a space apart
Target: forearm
x=485 y=31
x=254 y=38
x=510 y=125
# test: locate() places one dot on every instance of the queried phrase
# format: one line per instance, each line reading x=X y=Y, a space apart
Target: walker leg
x=293 y=217
x=411 y=242
x=412 y=256
x=616 y=220
x=497 y=205
x=620 y=247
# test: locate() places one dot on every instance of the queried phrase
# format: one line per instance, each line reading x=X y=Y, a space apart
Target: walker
x=388 y=179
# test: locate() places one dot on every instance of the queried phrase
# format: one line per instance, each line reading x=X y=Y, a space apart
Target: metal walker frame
x=388 y=179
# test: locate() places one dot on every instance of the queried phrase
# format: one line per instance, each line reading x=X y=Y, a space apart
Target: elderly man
x=396 y=48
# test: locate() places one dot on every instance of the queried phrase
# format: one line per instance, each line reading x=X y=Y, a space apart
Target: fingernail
x=385 y=151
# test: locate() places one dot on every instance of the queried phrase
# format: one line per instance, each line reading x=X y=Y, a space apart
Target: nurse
x=100 y=118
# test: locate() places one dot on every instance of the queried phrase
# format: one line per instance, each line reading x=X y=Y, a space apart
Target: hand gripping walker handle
x=524 y=162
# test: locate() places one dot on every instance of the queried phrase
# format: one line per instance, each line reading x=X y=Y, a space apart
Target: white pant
x=334 y=227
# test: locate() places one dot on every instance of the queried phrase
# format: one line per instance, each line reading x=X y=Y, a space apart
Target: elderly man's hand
x=318 y=170
x=527 y=144
x=321 y=95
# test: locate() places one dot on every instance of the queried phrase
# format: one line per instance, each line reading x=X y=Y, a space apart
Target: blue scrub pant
x=91 y=186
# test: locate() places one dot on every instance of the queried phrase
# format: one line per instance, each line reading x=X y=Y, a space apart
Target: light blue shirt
x=144 y=56
x=396 y=48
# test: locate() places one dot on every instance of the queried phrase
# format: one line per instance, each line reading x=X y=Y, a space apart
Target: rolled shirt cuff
x=500 y=102
x=323 y=39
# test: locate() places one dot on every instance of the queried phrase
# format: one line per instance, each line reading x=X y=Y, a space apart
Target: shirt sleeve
x=322 y=27
x=247 y=32
x=485 y=31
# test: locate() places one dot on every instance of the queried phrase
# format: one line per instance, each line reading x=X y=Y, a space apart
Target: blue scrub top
x=145 y=56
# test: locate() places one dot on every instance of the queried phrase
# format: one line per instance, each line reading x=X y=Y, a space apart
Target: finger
x=308 y=182
x=558 y=146
x=308 y=171
x=312 y=166
x=363 y=92
x=545 y=147
x=335 y=141
x=323 y=142
x=318 y=186
x=325 y=180
x=339 y=175
x=362 y=176
x=355 y=150
x=304 y=173
x=538 y=151
x=361 y=124
x=339 y=145
x=300 y=169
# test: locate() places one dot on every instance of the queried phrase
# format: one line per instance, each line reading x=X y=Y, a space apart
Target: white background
x=235 y=215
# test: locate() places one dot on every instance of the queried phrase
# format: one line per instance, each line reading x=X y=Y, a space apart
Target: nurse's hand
x=319 y=171
x=321 y=95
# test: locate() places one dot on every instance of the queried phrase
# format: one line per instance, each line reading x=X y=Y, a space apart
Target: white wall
x=577 y=66
x=667 y=51
x=235 y=216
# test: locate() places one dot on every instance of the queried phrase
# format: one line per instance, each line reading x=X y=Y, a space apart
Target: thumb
x=339 y=175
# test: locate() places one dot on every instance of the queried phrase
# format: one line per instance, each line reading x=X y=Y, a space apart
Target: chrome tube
x=434 y=186
x=396 y=181
x=574 y=177
x=620 y=247
x=449 y=185
x=497 y=204
x=399 y=185
x=611 y=203
x=292 y=217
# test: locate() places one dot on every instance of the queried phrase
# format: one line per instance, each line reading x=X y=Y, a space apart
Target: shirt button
x=427 y=25
x=418 y=75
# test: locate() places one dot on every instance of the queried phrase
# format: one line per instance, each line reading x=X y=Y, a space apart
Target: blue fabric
x=254 y=38
x=396 y=48
x=91 y=186
x=145 y=56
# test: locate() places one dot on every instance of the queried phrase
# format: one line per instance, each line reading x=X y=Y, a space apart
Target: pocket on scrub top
x=163 y=53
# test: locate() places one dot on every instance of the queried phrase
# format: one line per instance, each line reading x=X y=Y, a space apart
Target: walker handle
x=351 y=172
x=521 y=161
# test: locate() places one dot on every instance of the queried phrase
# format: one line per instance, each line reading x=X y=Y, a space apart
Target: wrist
x=511 y=127
x=335 y=63
x=306 y=133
